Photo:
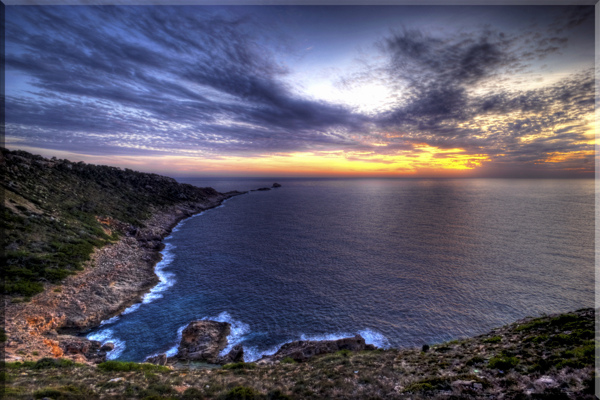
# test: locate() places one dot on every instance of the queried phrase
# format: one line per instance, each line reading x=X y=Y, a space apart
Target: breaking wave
x=106 y=336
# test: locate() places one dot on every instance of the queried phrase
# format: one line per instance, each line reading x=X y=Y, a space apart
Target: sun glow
x=422 y=160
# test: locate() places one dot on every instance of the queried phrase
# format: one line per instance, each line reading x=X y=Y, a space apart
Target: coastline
x=117 y=276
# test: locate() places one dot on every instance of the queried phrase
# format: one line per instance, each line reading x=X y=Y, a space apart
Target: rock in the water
x=109 y=346
x=263 y=189
x=203 y=341
x=302 y=350
x=276 y=185
x=236 y=354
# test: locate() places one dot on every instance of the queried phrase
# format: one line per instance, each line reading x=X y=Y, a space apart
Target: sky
x=382 y=91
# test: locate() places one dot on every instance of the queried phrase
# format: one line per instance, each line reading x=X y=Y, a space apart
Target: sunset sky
x=407 y=91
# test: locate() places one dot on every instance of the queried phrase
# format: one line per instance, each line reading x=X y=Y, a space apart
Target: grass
x=475 y=368
x=120 y=366
x=239 y=365
x=58 y=212
x=503 y=362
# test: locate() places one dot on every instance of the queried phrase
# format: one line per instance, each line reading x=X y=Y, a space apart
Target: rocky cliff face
x=119 y=270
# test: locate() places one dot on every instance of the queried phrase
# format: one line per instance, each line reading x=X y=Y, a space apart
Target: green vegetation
x=67 y=392
x=503 y=362
x=57 y=212
x=239 y=365
x=130 y=366
x=242 y=393
x=493 y=339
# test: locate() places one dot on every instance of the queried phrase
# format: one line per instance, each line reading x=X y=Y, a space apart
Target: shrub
x=475 y=360
x=192 y=394
x=503 y=363
x=344 y=352
x=121 y=366
x=47 y=392
x=277 y=395
x=239 y=365
x=45 y=363
x=242 y=393
x=288 y=360
x=494 y=339
x=428 y=384
x=65 y=392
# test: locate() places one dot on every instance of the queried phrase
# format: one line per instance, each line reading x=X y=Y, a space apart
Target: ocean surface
x=403 y=262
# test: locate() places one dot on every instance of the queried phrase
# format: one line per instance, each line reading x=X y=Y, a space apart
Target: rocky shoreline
x=116 y=277
x=204 y=341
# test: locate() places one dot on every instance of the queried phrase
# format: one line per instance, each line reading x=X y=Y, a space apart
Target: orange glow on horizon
x=423 y=160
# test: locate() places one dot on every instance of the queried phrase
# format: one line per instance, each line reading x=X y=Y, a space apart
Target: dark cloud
x=442 y=106
x=150 y=80
x=164 y=70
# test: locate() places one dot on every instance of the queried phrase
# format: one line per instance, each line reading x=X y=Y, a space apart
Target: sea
x=402 y=262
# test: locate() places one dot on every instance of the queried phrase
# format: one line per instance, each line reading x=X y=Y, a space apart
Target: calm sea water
x=402 y=262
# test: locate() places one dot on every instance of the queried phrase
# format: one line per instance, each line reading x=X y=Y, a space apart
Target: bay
x=403 y=262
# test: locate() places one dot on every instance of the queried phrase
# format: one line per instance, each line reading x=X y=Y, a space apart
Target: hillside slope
x=56 y=212
x=81 y=242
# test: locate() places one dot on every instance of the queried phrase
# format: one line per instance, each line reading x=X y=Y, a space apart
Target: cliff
x=83 y=241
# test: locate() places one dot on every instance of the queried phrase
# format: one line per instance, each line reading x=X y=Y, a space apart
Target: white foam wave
x=165 y=279
x=105 y=336
x=237 y=332
x=173 y=350
x=371 y=337
x=131 y=309
x=327 y=336
x=375 y=338
x=110 y=320
x=252 y=354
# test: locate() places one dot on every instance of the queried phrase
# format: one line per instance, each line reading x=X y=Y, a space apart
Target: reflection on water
x=402 y=262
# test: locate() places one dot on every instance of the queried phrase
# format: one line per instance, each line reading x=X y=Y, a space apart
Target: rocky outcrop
x=116 y=277
x=302 y=350
x=276 y=185
x=236 y=354
x=203 y=341
x=91 y=350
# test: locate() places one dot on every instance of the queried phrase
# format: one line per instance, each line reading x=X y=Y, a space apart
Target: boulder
x=75 y=346
x=108 y=346
x=203 y=341
x=236 y=354
x=91 y=350
x=302 y=350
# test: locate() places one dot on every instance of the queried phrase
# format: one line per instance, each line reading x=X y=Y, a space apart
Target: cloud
x=174 y=73
x=209 y=81
x=457 y=93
